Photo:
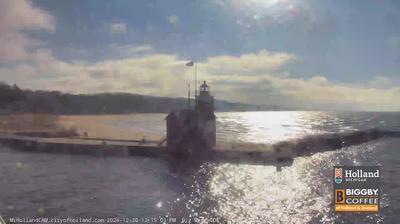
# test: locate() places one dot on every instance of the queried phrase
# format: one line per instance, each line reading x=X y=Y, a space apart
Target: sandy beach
x=105 y=126
x=91 y=126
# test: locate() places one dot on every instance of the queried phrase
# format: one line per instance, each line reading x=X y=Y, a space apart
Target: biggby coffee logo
x=358 y=190
x=338 y=175
x=339 y=196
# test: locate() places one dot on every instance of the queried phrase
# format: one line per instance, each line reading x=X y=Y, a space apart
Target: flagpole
x=195 y=79
x=189 y=96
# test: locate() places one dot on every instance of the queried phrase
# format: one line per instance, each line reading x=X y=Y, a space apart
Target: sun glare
x=267 y=10
x=262 y=3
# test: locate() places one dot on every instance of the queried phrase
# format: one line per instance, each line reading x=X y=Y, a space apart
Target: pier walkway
x=89 y=146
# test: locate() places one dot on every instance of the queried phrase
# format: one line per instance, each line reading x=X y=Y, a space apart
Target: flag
x=191 y=63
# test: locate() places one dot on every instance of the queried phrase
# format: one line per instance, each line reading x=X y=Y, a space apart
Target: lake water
x=49 y=185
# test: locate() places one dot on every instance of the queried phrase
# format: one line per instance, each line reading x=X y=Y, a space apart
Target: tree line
x=14 y=99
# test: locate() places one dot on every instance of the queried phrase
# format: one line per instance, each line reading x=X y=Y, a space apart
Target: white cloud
x=247 y=63
x=118 y=28
x=383 y=82
x=141 y=49
x=17 y=16
x=311 y=93
x=167 y=75
x=129 y=50
x=157 y=74
x=173 y=19
x=319 y=80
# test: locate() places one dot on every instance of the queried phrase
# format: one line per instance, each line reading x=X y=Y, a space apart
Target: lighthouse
x=205 y=115
x=205 y=102
x=193 y=132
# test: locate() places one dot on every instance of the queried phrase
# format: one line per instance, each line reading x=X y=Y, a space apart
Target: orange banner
x=356 y=208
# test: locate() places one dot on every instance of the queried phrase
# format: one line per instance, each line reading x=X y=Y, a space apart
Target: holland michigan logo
x=338 y=175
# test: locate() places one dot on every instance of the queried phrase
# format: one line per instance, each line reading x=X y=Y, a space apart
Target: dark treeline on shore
x=14 y=99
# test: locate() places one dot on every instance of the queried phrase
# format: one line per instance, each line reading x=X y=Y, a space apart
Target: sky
x=331 y=55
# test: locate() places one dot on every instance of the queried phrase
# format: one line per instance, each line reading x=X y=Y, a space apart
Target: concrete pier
x=124 y=148
x=96 y=147
x=281 y=153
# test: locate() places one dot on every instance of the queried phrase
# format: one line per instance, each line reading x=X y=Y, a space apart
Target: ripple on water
x=301 y=193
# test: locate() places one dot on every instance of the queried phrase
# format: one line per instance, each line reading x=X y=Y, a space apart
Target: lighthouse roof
x=204 y=85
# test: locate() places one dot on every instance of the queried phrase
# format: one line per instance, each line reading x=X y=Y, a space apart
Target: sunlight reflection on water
x=272 y=126
x=139 y=187
x=253 y=193
x=300 y=193
x=269 y=126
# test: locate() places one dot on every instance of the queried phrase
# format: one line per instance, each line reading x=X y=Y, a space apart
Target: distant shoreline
x=14 y=99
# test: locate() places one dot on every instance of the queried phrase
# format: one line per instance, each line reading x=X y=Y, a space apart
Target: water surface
x=34 y=184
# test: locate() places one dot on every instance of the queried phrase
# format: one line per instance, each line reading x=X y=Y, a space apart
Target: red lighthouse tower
x=193 y=131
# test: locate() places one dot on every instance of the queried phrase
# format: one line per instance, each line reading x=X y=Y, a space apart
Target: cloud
x=156 y=74
x=255 y=78
x=129 y=50
x=141 y=49
x=118 y=28
x=307 y=93
x=247 y=63
x=319 y=80
x=173 y=19
x=16 y=17
x=394 y=42
x=383 y=82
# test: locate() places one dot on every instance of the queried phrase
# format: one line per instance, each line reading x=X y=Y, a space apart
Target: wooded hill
x=14 y=99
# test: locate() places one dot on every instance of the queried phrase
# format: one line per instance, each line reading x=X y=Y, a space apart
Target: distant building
x=193 y=131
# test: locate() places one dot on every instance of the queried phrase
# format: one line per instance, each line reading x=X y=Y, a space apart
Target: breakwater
x=236 y=153
x=95 y=147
